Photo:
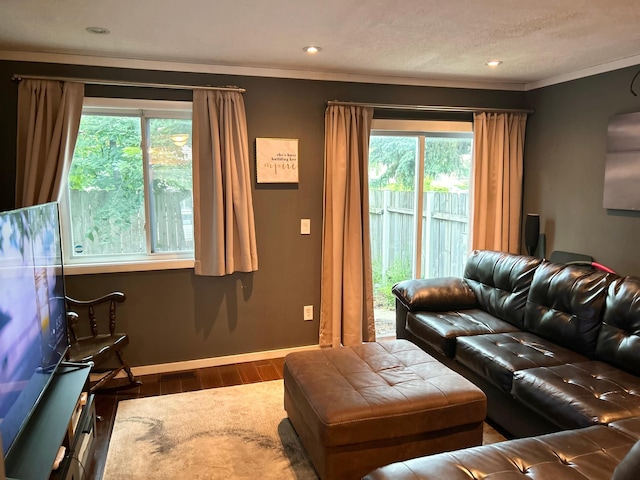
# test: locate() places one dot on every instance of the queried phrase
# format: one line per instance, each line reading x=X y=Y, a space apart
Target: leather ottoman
x=358 y=408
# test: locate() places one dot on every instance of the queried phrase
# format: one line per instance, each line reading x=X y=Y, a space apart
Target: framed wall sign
x=276 y=160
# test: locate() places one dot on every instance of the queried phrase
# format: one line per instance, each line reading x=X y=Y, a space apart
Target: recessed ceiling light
x=311 y=49
x=494 y=63
x=98 y=30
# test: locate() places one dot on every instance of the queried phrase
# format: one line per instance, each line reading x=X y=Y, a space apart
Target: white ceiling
x=404 y=41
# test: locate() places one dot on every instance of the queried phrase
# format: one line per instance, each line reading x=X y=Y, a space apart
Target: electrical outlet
x=308 y=312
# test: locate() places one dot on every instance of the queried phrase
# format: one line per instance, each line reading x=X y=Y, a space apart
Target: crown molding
x=585 y=72
x=113 y=62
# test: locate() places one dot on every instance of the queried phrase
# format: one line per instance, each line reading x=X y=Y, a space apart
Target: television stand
x=60 y=419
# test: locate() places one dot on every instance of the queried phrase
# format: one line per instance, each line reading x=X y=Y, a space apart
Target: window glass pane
x=171 y=199
x=106 y=187
x=399 y=154
x=392 y=177
x=445 y=228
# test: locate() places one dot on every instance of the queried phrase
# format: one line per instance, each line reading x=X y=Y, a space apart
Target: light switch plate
x=305 y=226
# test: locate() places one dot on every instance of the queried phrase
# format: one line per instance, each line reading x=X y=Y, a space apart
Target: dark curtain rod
x=430 y=108
x=116 y=83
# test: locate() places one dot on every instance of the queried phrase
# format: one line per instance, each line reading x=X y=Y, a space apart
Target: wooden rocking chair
x=99 y=346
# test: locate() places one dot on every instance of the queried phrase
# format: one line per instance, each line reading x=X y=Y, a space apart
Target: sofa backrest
x=619 y=337
x=500 y=282
x=565 y=305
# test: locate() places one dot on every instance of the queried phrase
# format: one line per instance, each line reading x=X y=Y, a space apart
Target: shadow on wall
x=550 y=227
x=550 y=233
x=623 y=213
x=211 y=294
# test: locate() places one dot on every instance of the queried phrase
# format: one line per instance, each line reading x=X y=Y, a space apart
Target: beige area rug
x=239 y=432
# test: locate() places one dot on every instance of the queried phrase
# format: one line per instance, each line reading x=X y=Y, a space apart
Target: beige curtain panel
x=49 y=115
x=224 y=228
x=497 y=185
x=346 y=312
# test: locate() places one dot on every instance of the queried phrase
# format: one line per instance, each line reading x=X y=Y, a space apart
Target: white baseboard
x=215 y=361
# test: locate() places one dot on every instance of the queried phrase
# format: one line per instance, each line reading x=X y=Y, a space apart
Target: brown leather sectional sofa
x=592 y=453
x=554 y=347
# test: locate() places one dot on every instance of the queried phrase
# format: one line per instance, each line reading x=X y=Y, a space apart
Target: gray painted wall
x=174 y=315
x=565 y=154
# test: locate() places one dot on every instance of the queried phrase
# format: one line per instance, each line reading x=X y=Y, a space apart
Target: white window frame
x=78 y=265
x=421 y=129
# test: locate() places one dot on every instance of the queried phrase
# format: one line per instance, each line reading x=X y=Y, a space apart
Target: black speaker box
x=532 y=232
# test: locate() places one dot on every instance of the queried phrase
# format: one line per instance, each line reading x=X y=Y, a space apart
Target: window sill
x=133 y=266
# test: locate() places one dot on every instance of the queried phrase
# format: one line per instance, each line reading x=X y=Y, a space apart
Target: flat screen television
x=33 y=327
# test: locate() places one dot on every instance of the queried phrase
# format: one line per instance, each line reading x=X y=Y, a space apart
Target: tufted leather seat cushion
x=619 y=340
x=591 y=453
x=565 y=305
x=367 y=405
x=500 y=282
x=628 y=426
x=497 y=356
x=440 y=329
x=579 y=394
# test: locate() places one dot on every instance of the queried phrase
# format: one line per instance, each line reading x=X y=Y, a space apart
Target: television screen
x=33 y=336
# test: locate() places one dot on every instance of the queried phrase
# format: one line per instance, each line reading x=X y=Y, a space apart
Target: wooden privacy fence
x=444 y=232
x=100 y=230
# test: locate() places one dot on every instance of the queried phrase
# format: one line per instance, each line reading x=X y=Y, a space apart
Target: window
x=129 y=192
x=419 y=176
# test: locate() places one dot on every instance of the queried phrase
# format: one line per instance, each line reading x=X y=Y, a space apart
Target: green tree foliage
x=171 y=154
x=392 y=159
x=107 y=154
x=108 y=158
x=447 y=156
x=108 y=161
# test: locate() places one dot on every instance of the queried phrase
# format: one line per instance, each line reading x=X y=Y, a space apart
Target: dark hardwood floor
x=163 y=384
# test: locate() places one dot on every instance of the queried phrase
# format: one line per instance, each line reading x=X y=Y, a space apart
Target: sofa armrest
x=435 y=294
x=629 y=466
